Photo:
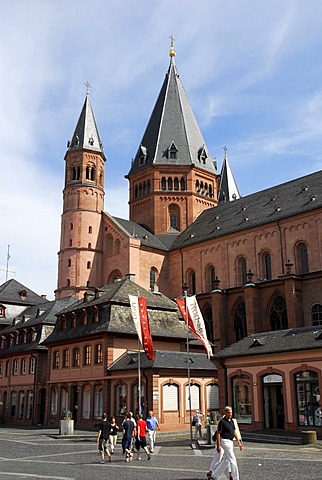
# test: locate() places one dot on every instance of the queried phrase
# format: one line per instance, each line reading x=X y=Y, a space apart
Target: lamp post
x=185 y=293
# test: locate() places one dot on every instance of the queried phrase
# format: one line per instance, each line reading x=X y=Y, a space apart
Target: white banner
x=198 y=324
x=134 y=302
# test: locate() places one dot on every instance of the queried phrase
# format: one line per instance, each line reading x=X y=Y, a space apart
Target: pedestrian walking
x=128 y=434
x=153 y=425
x=197 y=422
x=113 y=434
x=226 y=432
x=104 y=429
x=141 y=430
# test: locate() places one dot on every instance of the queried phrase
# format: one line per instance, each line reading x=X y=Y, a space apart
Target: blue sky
x=252 y=70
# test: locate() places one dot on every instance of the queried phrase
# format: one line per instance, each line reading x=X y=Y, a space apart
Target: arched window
x=117 y=247
x=170 y=397
x=87 y=173
x=120 y=399
x=89 y=265
x=70 y=242
x=148 y=186
x=316 y=313
x=278 y=313
x=136 y=191
x=135 y=399
x=98 y=401
x=241 y=271
x=266 y=266
x=64 y=401
x=93 y=173
x=90 y=229
x=242 y=402
x=53 y=401
x=182 y=184
x=69 y=263
x=240 y=320
x=174 y=217
x=153 y=277
x=192 y=282
x=176 y=183
x=194 y=395
x=207 y=316
x=86 y=402
x=23 y=366
x=140 y=190
x=212 y=395
x=302 y=258
x=210 y=277
x=169 y=183
x=21 y=408
x=163 y=183
x=308 y=399
x=30 y=401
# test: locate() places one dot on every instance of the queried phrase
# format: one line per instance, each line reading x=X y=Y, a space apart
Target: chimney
x=43 y=296
x=130 y=276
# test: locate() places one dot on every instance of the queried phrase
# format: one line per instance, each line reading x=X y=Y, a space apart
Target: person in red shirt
x=140 y=441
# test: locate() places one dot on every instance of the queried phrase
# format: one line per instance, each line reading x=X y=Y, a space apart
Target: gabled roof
x=86 y=134
x=305 y=338
x=114 y=314
x=163 y=359
x=172 y=126
x=228 y=190
x=10 y=292
x=274 y=204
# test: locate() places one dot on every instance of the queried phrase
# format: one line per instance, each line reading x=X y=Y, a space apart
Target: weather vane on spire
x=87 y=85
x=172 y=52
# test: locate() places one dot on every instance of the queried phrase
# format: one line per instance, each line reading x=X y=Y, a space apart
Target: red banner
x=139 y=309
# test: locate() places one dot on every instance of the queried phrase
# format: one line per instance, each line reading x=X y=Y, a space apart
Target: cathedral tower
x=80 y=255
x=172 y=177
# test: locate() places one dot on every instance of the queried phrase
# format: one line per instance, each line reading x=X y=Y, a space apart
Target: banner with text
x=142 y=324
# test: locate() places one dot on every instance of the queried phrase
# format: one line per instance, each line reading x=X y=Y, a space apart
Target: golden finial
x=87 y=85
x=172 y=52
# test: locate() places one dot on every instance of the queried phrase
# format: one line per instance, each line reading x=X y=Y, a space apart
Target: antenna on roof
x=7 y=266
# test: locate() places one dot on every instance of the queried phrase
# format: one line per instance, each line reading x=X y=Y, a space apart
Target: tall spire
x=172 y=136
x=228 y=189
x=86 y=134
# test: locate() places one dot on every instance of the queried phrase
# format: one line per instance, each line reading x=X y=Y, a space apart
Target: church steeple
x=79 y=258
x=172 y=159
x=228 y=189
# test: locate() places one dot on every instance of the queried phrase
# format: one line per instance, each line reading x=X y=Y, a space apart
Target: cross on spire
x=87 y=85
x=172 y=50
x=225 y=149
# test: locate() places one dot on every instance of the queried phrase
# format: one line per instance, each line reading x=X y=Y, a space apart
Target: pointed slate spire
x=86 y=134
x=228 y=189
x=172 y=136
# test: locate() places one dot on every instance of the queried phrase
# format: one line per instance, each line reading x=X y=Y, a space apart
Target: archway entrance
x=273 y=401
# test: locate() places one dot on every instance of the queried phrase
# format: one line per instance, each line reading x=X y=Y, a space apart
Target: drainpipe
x=182 y=273
x=146 y=389
x=222 y=363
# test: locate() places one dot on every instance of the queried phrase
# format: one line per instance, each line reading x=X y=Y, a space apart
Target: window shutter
x=170 y=397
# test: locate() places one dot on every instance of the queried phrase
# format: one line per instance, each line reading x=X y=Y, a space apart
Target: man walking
x=128 y=434
x=153 y=425
x=226 y=432
x=141 y=429
x=103 y=438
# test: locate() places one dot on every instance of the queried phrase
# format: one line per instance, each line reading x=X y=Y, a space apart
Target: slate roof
x=163 y=359
x=115 y=316
x=172 y=122
x=86 y=134
x=10 y=293
x=148 y=239
x=298 y=196
x=305 y=338
x=38 y=317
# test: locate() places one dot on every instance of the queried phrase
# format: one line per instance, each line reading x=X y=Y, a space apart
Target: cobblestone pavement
x=37 y=455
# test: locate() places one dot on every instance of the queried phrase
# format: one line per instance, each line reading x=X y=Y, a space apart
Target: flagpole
x=139 y=372
x=185 y=291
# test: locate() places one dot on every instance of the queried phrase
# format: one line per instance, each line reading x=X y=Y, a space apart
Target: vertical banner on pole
x=196 y=322
x=142 y=324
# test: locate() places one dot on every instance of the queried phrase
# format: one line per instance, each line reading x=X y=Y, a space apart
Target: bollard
x=308 y=437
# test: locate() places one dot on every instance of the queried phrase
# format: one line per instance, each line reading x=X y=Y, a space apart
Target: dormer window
x=202 y=155
x=23 y=294
x=91 y=141
x=2 y=311
x=143 y=153
x=172 y=152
